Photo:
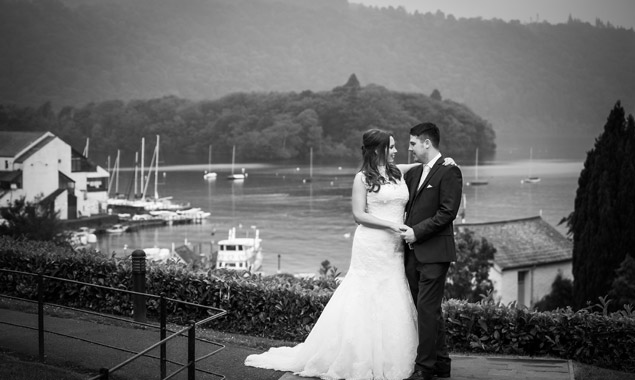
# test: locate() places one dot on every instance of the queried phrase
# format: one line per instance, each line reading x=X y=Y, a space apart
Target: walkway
x=228 y=362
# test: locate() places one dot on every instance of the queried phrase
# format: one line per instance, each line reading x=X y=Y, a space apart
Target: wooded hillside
x=528 y=79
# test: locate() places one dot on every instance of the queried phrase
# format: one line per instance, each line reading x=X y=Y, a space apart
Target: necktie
x=426 y=170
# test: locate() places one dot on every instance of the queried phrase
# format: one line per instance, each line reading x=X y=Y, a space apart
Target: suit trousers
x=427 y=283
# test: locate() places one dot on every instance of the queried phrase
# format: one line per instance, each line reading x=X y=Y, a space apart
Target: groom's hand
x=408 y=235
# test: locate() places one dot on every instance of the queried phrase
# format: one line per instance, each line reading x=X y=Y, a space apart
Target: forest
x=525 y=78
x=269 y=127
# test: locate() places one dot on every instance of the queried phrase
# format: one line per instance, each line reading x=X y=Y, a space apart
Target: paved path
x=499 y=368
x=228 y=362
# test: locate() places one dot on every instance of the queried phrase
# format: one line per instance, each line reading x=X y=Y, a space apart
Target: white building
x=42 y=168
x=529 y=255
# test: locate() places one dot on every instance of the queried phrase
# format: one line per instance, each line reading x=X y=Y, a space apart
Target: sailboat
x=476 y=181
x=530 y=178
x=235 y=176
x=146 y=204
x=209 y=174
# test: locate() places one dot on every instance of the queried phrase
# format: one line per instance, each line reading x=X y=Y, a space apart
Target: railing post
x=40 y=315
x=139 y=284
x=163 y=351
x=191 y=355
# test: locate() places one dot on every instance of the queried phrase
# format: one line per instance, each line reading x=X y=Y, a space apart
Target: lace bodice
x=389 y=202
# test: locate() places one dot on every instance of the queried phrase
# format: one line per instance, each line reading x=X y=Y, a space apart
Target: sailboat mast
x=143 y=175
x=311 y=164
x=531 y=156
x=233 y=157
x=476 y=165
x=209 y=159
x=136 y=172
x=156 y=172
x=109 y=175
x=86 y=147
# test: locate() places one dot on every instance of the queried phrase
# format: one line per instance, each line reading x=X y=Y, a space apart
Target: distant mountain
x=558 y=81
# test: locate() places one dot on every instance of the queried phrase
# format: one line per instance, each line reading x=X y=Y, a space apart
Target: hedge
x=285 y=307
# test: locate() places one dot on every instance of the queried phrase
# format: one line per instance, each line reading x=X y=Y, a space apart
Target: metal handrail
x=104 y=372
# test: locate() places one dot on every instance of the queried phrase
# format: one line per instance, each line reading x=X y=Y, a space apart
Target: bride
x=368 y=329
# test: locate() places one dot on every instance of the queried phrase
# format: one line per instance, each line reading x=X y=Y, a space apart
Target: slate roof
x=12 y=143
x=523 y=242
x=34 y=149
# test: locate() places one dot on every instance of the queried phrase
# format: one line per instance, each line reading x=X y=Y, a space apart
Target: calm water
x=306 y=223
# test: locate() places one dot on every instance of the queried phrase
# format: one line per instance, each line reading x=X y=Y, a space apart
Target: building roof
x=12 y=143
x=34 y=149
x=10 y=176
x=523 y=242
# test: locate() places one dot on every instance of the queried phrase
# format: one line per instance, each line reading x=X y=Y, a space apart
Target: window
x=97 y=184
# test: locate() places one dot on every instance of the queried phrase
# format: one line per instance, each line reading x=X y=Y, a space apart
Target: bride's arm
x=359 y=208
x=405 y=167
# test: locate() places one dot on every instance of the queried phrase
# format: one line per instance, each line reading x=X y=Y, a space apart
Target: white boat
x=236 y=176
x=82 y=237
x=209 y=174
x=117 y=229
x=158 y=254
x=476 y=181
x=530 y=178
x=240 y=253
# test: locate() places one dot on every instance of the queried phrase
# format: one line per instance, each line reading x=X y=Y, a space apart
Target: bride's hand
x=398 y=228
x=449 y=161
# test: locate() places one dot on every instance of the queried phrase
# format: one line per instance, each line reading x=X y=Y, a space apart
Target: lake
x=304 y=223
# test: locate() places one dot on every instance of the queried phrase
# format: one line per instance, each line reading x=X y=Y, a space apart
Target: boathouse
x=529 y=255
x=41 y=167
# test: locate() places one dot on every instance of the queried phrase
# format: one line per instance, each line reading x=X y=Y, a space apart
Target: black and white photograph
x=317 y=189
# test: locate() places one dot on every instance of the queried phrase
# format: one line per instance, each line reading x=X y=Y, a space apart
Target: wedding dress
x=368 y=329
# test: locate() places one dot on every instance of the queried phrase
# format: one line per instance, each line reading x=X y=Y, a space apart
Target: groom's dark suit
x=430 y=212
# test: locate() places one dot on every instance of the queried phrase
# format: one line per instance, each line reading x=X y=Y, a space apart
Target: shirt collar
x=431 y=163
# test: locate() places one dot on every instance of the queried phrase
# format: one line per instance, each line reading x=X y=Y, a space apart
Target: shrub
x=285 y=307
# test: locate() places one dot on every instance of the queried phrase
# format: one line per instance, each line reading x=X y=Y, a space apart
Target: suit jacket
x=432 y=209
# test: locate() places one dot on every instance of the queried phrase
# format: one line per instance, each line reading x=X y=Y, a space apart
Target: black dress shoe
x=442 y=374
x=442 y=369
x=420 y=375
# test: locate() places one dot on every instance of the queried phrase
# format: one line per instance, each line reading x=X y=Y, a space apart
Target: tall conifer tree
x=604 y=213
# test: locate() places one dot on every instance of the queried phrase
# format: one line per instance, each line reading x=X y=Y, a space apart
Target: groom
x=435 y=197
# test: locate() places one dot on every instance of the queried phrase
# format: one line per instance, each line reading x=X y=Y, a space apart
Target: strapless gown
x=368 y=329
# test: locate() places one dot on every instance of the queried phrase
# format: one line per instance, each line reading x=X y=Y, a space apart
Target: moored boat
x=236 y=176
x=530 y=178
x=240 y=253
x=117 y=229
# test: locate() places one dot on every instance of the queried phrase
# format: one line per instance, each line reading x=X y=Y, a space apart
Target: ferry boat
x=240 y=253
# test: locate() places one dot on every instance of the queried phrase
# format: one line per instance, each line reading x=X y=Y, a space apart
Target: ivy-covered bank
x=285 y=307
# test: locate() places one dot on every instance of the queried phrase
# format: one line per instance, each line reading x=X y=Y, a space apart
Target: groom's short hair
x=428 y=131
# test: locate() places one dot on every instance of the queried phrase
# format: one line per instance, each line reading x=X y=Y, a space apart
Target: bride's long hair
x=375 y=146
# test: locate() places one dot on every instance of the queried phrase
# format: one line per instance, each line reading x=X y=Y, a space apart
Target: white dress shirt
x=426 y=169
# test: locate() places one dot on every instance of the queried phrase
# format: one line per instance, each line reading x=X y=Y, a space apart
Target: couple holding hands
x=384 y=320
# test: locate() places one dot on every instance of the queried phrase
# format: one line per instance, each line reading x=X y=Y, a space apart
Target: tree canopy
x=525 y=78
x=263 y=126
x=604 y=211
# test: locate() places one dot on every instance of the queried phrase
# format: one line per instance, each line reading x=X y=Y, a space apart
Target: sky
x=617 y=12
